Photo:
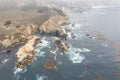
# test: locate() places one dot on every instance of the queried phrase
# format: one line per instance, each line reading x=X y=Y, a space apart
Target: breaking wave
x=4 y=61
x=75 y=55
x=17 y=72
x=84 y=50
x=40 y=46
x=39 y=53
x=42 y=77
x=77 y=30
x=100 y=6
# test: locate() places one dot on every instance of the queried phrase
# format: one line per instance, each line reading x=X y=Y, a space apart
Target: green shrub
x=7 y=23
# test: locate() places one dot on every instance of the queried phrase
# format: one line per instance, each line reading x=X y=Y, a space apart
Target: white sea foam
x=104 y=44
x=69 y=35
x=75 y=54
x=75 y=57
x=42 y=77
x=75 y=27
x=5 y=60
x=84 y=50
x=18 y=71
x=76 y=30
x=79 y=35
x=100 y=6
x=40 y=46
x=44 y=43
x=39 y=53
x=55 y=54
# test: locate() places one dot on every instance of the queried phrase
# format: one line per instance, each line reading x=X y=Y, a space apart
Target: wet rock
x=73 y=24
x=9 y=49
x=50 y=65
x=64 y=46
x=73 y=36
x=89 y=36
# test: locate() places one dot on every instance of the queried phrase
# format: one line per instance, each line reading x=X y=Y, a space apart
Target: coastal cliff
x=54 y=25
x=25 y=35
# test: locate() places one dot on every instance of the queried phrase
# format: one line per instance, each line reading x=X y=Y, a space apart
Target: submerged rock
x=26 y=54
x=73 y=36
x=90 y=36
x=50 y=65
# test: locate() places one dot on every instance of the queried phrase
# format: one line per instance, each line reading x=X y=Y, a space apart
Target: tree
x=7 y=23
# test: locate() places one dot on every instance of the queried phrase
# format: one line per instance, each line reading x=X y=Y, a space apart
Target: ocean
x=96 y=59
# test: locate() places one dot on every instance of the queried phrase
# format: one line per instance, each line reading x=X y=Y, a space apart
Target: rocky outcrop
x=50 y=65
x=53 y=25
x=11 y=36
x=64 y=46
x=22 y=34
x=26 y=54
x=6 y=43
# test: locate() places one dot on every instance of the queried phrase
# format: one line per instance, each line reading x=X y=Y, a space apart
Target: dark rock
x=61 y=44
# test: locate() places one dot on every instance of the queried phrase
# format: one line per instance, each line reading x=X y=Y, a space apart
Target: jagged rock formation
x=26 y=54
x=12 y=35
x=53 y=25
x=51 y=22
x=64 y=46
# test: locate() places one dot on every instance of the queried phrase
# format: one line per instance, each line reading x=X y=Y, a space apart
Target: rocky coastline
x=25 y=35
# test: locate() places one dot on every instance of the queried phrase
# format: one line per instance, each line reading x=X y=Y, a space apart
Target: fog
x=11 y=2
